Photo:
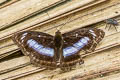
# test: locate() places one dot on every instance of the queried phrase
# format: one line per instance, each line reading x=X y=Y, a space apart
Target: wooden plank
x=3 y=44
x=110 y=77
x=5 y=3
x=112 y=39
x=8 y=49
x=105 y=60
x=21 y=9
x=35 y=21
x=17 y=47
x=2 y=1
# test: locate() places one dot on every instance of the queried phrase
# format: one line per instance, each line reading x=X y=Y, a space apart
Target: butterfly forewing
x=82 y=39
x=38 y=46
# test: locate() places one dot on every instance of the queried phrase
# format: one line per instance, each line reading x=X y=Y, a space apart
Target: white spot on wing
x=25 y=34
x=92 y=32
x=22 y=37
x=39 y=36
x=76 y=35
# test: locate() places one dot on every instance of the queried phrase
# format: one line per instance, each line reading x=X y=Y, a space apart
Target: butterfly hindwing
x=75 y=41
x=38 y=46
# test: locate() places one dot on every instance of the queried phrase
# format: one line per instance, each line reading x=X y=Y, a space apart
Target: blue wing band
x=68 y=51
x=40 y=48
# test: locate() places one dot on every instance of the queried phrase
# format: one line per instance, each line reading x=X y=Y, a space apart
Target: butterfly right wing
x=85 y=39
x=38 y=46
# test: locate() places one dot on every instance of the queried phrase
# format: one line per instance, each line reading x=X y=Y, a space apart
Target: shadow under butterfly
x=59 y=51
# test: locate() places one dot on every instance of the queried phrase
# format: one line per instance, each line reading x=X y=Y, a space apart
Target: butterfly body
x=58 y=41
x=61 y=50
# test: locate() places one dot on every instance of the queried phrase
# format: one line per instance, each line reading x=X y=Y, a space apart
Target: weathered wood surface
x=103 y=64
x=5 y=3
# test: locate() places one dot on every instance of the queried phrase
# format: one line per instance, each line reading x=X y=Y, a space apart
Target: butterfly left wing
x=38 y=46
x=85 y=39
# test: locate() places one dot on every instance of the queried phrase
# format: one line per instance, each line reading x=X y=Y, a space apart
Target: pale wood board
x=3 y=43
x=36 y=20
x=105 y=60
x=5 y=3
x=19 y=9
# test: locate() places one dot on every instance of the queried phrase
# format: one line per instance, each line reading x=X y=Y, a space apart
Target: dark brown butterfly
x=61 y=50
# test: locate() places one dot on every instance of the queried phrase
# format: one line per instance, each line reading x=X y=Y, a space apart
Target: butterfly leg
x=66 y=69
x=109 y=27
x=115 y=27
x=106 y=26
x=81 y=61
x=67 y=66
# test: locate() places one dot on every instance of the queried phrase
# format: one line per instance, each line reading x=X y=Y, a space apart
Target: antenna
x=62 y=24
x=65 y=23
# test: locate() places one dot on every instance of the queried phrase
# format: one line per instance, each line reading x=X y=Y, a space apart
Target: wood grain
x=37 y=21
x=102 y=64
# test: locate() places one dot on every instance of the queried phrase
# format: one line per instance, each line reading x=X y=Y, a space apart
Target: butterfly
x=59 y=51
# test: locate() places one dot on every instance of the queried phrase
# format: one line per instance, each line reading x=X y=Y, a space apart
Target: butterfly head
x=58 y=32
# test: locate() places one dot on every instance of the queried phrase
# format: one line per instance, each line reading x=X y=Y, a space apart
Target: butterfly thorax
x=58 y=41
